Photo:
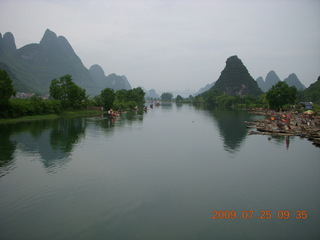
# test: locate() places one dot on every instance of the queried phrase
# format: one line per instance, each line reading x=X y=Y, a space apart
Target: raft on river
x=280 y=125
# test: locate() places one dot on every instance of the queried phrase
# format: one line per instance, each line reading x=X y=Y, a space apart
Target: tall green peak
x=235 y=79
x=48 y=38
x=9 y=42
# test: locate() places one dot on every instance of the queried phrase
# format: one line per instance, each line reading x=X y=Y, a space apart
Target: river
x=175 y=172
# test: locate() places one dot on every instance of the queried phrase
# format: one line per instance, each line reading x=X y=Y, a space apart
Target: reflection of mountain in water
x=53 y=141
x=232 y=127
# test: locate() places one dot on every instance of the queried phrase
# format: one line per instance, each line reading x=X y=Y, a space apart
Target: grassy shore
x=64 y=114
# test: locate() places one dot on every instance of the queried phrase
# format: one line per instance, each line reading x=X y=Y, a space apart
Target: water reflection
x=7 y=149
x=65 y=133
x=8 y=144
x=52 y=141
x=108 y=123
x=280 y=140
x=231 y=126
x=166 y=106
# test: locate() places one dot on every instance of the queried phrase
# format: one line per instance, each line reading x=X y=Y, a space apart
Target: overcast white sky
x=177 y=44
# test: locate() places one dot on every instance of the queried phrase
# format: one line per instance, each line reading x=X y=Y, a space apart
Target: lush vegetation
x=68 y=93
x=6 y=89
x=33 y=106
x=66 y=97
x=11 y=108
x=121 y=99
x=166 y=97
x=281 y=94
x=215 y=98
x=179 y=98
x=312 y=93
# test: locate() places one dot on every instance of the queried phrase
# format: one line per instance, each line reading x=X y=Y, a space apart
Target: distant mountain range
x=292 y=80
x=205 y=88
x=33 y=66
x=272 y=79
x=113 y=81
x=152 y=94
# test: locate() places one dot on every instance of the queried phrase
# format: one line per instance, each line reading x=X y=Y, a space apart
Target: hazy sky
x=177 y=44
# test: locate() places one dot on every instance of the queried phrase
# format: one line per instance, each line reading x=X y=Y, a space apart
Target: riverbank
x=289 y=123
x=64 y=114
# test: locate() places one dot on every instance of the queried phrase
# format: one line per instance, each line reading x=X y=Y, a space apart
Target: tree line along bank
x=64 y=95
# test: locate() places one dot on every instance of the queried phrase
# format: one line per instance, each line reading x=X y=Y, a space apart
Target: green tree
x=263 y=100
x=69 y=93
x=211 y=96
x=224 y=100
x=107 y=98
x=121 y=95
x=136 y=95
x=281 y=94
x=166 y=96
x=6 y=89
x=179 y=98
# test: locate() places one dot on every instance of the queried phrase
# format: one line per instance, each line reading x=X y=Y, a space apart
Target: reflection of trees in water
x=166 y=106
x=53 y=140
x=7 y=149
x=66 y=133
x=8 y=139
x=232 y=127
x=179 y=105
x=107 y=125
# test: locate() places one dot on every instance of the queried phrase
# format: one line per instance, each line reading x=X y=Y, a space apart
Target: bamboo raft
x=309 y=129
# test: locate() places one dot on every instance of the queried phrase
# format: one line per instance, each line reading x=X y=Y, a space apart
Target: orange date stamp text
x=263 y=214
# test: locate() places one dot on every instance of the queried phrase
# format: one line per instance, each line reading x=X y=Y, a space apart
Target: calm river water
x=156 y=175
